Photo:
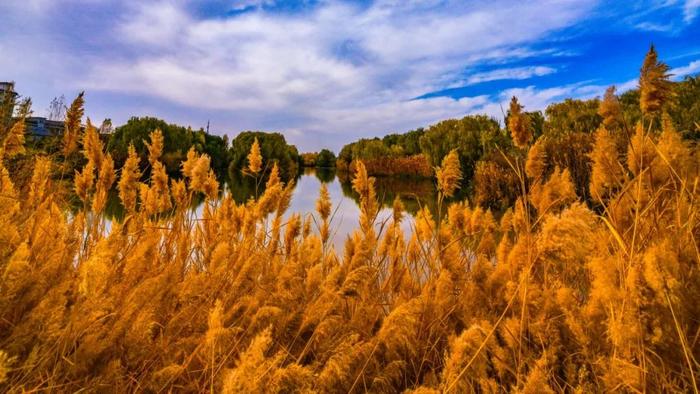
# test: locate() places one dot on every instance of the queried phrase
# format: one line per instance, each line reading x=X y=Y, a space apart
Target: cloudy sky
x=327 y=72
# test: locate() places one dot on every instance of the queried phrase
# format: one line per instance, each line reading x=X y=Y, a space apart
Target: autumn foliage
x=553 y=296
x=415 y=165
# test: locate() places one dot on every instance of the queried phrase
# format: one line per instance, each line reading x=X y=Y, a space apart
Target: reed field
x=554 y=294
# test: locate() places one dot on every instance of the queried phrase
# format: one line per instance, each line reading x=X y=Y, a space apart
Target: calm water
x=346 y=212
x=414 y=194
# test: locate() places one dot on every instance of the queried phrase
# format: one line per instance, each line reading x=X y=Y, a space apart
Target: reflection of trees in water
x=242 y=187
x=325 y=175
x=114 y=210
x=414 y=192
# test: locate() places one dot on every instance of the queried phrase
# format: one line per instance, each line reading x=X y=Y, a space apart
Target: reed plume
x=556 y=293
x=449 y=174
x=519 y=124
x=71 y=133
x=654 y=84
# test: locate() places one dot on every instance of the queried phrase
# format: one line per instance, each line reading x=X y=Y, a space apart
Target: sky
x=325 y=73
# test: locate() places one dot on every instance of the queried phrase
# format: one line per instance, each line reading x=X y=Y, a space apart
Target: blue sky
x=325 y=72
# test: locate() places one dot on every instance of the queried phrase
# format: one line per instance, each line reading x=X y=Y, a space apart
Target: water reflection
x=325 y=175
x=414 y=193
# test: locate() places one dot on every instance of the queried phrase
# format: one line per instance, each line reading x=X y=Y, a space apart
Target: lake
x=414 y=193
x=346 y=211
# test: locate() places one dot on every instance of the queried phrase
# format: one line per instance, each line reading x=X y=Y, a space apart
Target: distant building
x=36 y=126
x=42 y=127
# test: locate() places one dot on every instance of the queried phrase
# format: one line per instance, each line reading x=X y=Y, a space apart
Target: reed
x=556 y=296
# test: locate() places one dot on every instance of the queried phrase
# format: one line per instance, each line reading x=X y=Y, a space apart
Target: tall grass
x=556 y=297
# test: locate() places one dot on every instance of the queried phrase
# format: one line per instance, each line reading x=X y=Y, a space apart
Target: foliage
x=409 y=166
x=409 y=142
x=273 y=149
x=389 y=151
x=553 y=297
x=629 y=101
x=308 y=159
x=686 y=110
x=470 y=136
x=325 y=159
x=177 y=140
x=572 y=116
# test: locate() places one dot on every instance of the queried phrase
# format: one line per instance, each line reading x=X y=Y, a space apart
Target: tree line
x=486 y=149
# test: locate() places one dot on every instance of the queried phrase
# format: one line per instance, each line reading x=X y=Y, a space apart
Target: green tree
x=177 y=141
x=685 y=111
x=369 y=149
x=325 y=159
x=470 y=135
x=537 y=121
x=409 y=142
x=274 y=148
x=572 y=116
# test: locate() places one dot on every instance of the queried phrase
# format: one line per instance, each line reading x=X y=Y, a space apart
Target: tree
x=686 y=109
x=537 y=121
x=325 y=159
x=177 y=141
x=57 y=108
x=369 y=149
x=572 y=116
x=308 y=159
x=273 y=147
x=346 y=152
x=137 y=130
x=470 y=136
x=409 y=142
x=631 y=110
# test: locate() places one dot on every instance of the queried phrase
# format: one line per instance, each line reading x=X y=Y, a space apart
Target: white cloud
x=43 y=7
x=690 y=69
x=154 y=24
x=516 y=73
x=337 y=68
x=690 y=10
x=654 y=27
x=323 y=76
x=244 y=4
x=629 y=85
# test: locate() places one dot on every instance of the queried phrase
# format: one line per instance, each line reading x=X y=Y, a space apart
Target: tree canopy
x=273 y=147
x=177 y=141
